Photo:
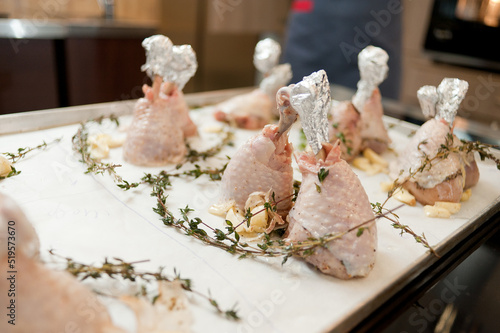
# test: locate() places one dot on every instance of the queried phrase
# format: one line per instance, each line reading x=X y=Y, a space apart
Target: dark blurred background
x=56 y=53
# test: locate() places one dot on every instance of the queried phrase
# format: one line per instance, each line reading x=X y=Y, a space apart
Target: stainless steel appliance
x=465 y=32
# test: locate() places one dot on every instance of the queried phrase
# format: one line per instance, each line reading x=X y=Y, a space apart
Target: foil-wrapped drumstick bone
x=331 y=199
x=372 y=63
x=445 y=178
x=256 y=109
x=263 y=163
x=358 y=123
x=265 y=59
x=161 y=119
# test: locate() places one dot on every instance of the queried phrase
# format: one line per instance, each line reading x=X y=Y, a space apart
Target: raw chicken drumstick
x=345 y=126
x=255 y=109
x=48 y=301
x=263 y=163
x=331 y=199
x=443 y=178
x=358 y=124
x=161 y=119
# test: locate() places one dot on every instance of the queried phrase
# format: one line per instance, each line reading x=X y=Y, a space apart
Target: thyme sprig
x=80 y=145
x=231 y=242
x=96 y=166
x=448 y=147
x=117 y=267
x=482 y=149
x=228 y=240
x=13 y=172
x=22 y=152
x=444 y=150
x=403 y=228
x=163 y=178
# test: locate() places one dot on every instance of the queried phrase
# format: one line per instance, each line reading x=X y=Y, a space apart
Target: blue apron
x=329 y=34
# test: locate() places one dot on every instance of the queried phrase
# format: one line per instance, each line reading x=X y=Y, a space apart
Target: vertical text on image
x=11 y=272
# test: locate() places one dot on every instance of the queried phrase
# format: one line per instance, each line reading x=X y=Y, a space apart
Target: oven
x=465 y=32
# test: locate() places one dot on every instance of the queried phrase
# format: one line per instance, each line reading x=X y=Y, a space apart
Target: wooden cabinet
x=103 y=70
x=28 y=75
x=50 y=73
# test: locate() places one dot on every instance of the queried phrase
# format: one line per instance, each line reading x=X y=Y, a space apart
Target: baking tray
x=87 y=217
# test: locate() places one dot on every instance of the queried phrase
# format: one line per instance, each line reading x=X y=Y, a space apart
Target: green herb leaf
x=322 y=174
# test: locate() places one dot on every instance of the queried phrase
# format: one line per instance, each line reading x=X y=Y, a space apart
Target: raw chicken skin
x=249 y=111
x=169 y=90
x=342 y=204
x=444 y=181
x=263 y=163
x=255 y=109
x=159 y=126
x=53 y=301
x=27 y=241
x=46 y=300
x=373 y=132
x=345 y=125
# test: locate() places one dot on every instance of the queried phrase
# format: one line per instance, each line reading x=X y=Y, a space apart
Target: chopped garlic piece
x=110 y=141
x=405 y=197
x=365 y=164
x=258 y=222
x=101 y=143
x=222 y=208
x=386 y=186
x=5 y=166
x=361 y=163
x=466 y=195
x=213 y=129
x=255 y=199
x=375 y=168
x=99 y=148
x=452 y=207
x=375 y=158
x=434 y=211
x=234 y=216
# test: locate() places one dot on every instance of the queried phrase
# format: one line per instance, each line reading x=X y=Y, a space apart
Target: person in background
x=329 y=34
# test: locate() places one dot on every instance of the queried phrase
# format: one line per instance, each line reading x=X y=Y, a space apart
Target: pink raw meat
x=447 y=177
x=341 y=204
x=345 y=126
x=252 y=110
x=159 y=126
x=263 y=163
x=373 y=132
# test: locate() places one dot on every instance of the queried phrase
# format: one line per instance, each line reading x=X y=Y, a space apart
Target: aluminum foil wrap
x=158 y=55
x=278 y=77
x=428 y=98
x=451 y=93
x=373 y=69
x=311 y=99
x=266 y=55
x=174 y=63
x=182 y=66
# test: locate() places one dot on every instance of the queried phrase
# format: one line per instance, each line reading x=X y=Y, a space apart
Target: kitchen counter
x=60 y=29
x=71 y=209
